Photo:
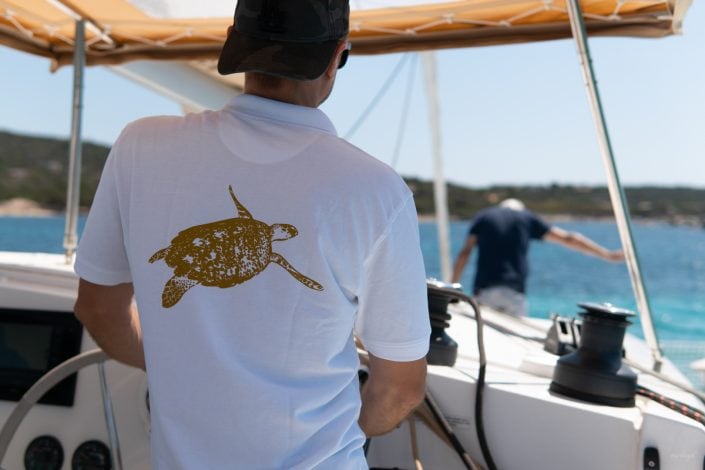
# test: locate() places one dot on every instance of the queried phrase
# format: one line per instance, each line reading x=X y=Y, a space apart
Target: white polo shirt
x=258 y=242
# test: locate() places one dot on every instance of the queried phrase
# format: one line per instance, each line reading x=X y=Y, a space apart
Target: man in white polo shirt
x=256 y=244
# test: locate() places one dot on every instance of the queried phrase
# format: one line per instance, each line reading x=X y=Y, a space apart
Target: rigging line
x=377 y=97
x=102 y=32
x=404 y=112
x=677 y=406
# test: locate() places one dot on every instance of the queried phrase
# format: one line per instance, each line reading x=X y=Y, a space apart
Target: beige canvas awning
x=119 y=31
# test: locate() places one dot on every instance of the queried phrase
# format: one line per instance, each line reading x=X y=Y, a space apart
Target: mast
x=74 y=178
x=439 y=184
x=619 y=201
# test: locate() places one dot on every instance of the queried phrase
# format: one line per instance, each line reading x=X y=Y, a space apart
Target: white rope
x=617 y=7
x=102 y=32
x=94 y=40
x=90 y=25
x=10 y=16
x=218 y=39
x=184 y=34
x=139 y=39
x=378 y=96
x=593 y=16
x=531 y=12
x=376 y=29
x=404 y=113
x=453 y=17
x=431 y=24
x=477 y=22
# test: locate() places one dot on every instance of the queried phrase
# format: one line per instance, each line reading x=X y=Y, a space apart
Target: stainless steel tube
x=73 y=190
x=619 y=201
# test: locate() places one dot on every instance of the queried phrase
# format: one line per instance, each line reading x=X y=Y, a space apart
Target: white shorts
x=504 y=299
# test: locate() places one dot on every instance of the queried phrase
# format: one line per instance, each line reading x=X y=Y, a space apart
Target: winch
x=595 y=372
x=443 y=350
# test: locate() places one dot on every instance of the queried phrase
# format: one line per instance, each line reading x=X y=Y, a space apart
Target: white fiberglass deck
x=526 y=425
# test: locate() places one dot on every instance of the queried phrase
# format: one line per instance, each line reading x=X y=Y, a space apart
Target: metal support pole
x=619 y=201
x=439 y=184
x=73 y=190
x=115 y=451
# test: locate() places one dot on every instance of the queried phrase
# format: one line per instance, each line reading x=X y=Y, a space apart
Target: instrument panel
x=32 y=342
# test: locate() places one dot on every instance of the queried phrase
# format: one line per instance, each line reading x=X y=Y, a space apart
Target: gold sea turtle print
x=224 y=253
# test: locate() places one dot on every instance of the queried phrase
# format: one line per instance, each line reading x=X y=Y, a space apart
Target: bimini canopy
x=123 y=30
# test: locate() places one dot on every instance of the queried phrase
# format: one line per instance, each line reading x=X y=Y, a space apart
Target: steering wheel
x=49 y=380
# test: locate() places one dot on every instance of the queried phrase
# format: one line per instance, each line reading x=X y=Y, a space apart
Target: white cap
x=513 y=204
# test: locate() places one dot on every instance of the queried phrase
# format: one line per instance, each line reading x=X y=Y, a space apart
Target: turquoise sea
x=672 y=260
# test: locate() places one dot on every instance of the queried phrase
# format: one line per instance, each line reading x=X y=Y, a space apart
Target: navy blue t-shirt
x=503 y=237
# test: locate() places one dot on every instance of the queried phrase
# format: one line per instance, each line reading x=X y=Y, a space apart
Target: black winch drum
x=443 y=350
x=594 y=372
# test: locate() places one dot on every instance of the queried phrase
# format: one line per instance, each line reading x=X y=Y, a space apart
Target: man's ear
x=335 y=60
x=230 y=28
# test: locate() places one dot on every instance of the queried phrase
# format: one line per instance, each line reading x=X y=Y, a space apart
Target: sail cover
x=118 y=31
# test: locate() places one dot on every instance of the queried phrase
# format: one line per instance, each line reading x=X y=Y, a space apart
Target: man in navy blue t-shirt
x=502 y=234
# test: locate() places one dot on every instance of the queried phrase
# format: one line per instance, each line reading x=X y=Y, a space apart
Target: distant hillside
x=36 y=168
x=674 y=204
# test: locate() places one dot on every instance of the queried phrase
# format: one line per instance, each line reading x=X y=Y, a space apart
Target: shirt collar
x=280 y=111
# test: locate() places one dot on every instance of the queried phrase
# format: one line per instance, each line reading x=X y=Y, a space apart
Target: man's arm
x=110 y=317
x=579 y=242
x=391 y=392
x=462 y=259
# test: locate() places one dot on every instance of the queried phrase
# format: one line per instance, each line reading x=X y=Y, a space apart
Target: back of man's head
x=294 y=39
x=513 y=204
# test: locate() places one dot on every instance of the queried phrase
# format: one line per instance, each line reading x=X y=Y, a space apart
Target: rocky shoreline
x=21 y=207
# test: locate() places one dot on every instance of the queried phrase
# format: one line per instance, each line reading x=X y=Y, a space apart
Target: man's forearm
x=462 y=258
x=579 y=242
x=459 y=267
x=110 y=317
x=121 y=340
x=582 y=243
x=392 y=391
x=382 y=410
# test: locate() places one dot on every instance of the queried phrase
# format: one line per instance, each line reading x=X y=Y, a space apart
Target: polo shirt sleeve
x=538 y=228
x=101 y=257
x=392 y=320
x=474 y=226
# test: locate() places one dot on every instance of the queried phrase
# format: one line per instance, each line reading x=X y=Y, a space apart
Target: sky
x=508 y=114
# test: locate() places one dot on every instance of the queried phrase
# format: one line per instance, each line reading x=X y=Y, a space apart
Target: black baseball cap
x=289 y=38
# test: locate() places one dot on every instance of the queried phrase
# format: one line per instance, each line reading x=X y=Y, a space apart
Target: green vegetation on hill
x=676 y=204
x=36 y=168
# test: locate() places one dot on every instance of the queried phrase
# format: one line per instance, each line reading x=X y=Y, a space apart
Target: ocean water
x=41 y=234
x=672 y=261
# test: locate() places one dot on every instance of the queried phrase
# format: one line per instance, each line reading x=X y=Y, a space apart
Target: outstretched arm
x=462 y=259
x=579 y=242
x=391 y=392
x=110 y=317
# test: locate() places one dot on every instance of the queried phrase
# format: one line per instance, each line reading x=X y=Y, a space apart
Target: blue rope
x=377 y=97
